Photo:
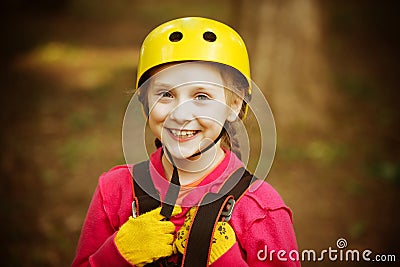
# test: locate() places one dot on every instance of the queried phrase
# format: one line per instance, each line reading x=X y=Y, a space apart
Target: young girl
x=194 y=84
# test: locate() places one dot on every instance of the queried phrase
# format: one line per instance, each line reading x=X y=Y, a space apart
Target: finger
x=159 y=217
x=154 y=214
x=166 y=227
x=164 y=251
x=168 y=239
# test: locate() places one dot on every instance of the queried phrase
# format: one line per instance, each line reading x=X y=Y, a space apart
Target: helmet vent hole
x=209 y=36
x=175 y=36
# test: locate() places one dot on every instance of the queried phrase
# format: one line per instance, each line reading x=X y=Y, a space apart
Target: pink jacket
x=261 y=220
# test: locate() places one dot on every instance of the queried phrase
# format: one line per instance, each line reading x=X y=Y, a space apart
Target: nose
x=183 y=112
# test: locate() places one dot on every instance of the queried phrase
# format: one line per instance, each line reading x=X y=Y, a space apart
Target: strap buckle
x=226 y=214
x=134 y=209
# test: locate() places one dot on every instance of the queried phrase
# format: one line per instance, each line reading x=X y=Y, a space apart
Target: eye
x=202 y=97
x=166 y=94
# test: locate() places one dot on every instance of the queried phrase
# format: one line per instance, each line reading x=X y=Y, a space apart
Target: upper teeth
x=181 y=133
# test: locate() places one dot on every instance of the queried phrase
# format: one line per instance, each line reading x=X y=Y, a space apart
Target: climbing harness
x=213 y=207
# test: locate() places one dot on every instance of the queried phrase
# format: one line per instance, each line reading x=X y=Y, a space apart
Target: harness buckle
x=226 y=214
x=134 y=209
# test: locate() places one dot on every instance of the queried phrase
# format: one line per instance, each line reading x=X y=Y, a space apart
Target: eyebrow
x=160 y=87
x=161 y=84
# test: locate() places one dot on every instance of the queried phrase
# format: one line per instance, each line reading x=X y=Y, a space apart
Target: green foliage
x=354 y=187
x=81 y=120
x=385 y=170
x=76 y=151
x=320 y=151
x=355 y=86
x=357 y=229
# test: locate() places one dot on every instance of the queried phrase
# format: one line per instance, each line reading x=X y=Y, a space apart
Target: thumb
x=176 y=210
x=155 y=214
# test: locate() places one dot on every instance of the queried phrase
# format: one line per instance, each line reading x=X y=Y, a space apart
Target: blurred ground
x=329 y=70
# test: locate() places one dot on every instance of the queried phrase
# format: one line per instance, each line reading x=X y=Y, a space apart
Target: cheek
x=157 y=116
x=213 y=125
x=219 y=115
x=217 y=111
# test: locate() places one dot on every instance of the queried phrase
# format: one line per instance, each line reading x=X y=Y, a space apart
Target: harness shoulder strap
x=237 y=183
x=208 y=214
x=145 y=195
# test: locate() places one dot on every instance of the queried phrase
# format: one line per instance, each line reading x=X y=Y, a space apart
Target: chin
x=177 y=153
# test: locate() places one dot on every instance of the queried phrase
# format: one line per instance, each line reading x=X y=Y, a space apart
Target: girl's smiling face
x=187 y=107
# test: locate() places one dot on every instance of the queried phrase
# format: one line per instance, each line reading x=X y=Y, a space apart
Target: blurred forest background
x=328 y=68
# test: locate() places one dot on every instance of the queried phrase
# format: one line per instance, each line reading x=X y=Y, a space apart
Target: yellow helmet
x=193 y=38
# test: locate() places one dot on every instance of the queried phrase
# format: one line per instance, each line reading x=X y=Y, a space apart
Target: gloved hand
x=223 y=239
x=146 y=238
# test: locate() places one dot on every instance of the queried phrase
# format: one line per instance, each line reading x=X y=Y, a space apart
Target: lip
x=182 y=138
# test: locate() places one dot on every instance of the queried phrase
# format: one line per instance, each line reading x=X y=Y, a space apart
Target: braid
x=230 y=141
x=158 y=143
x=235 y=83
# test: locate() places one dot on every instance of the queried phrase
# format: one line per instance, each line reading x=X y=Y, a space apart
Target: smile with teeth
x=183 y=133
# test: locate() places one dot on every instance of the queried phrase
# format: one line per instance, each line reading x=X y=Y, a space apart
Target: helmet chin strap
x=173 y=190
x=174 y=186
x=210 y=145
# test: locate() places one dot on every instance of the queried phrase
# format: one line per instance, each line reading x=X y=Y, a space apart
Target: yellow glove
x=223 y=239
x=146 y=238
